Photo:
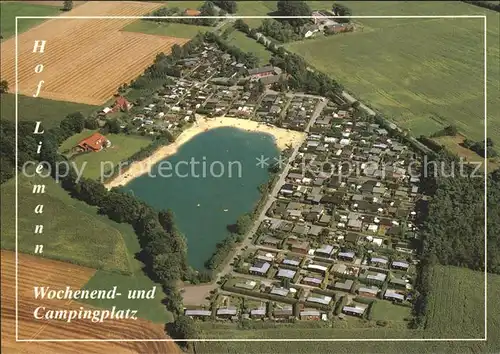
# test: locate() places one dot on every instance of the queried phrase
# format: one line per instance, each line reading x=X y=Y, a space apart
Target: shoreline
x=282 y=138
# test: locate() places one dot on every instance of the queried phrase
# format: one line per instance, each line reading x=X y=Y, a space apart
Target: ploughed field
x=37 y=271
x=85 y=60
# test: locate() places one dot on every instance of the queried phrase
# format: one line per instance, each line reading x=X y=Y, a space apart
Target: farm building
x=121 y=105
x=192 y=12
x=95 y=142
x=258 y=73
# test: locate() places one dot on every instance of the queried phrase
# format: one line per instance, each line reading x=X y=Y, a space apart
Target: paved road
x=352 y=99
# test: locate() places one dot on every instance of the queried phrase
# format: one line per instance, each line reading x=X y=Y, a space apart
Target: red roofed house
x=121 y=104
x=191 y=12
x=95 y=142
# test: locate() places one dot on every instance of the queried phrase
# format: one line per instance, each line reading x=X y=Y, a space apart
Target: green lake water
x=206 y=204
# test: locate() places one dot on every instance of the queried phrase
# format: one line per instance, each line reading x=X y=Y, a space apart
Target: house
x=227 y=312
x=95 y=142
x=260 y=268
x=398 y=283
x=344 y=286
x=258 y=313
x=317 y=268
x=279 y=291
x=121 y=104
x=354 y=310
x=197 y=313
x=391 y=294
x=323 y=299
x=298 y=246
x=192 y=12
x=269 y=70
x=325 y=251
x=312 y=281
x=248 y=284
x=379 y=261
x=310 y=315
x=346 y=256
x=285 y=273
x=283 y=313
x=400 y=265
x=271 y=241
x=291 y=262
x=368 y=291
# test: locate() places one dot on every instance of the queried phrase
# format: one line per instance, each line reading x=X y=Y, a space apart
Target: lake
x=211 y=181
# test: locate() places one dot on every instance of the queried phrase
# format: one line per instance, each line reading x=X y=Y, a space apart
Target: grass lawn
x=50 y=112
x=73 y=231
x=455 y=311
x=249 y=45
x=422 y=73
x=122 y=147
x=152 y=310
x=178 y=30
x=387 y=311
x=9 y=11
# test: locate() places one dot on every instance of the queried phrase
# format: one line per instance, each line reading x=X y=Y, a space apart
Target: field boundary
x=258 y=340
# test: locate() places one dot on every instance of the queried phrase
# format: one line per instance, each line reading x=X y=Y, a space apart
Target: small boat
x=226 y=209
x=198 y=205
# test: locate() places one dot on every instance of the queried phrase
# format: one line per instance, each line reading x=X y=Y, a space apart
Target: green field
x=179 y=30
x=249 y=45
x=9 y=11
x=122 y=147
x=455 y=311
x=73 y=231
x=50 y=112
x=255 y=8
x=422 y=73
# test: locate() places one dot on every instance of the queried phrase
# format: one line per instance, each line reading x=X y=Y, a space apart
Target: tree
x=183 y=328
x=242 y=26
x=341 y=10
x=243 y=224
x=68 y=5
x=229 y=6
x=4 y=86
x=113 y=126
x=177 y=51
x=294 y=8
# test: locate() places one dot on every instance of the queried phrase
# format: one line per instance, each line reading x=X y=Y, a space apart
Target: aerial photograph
x=225 y=177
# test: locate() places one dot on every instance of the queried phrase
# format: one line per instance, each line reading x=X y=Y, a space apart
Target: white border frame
x=485 y=78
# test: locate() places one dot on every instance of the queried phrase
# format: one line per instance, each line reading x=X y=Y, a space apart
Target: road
x=352 y=99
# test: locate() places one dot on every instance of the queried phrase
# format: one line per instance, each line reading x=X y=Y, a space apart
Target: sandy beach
x=282 y=138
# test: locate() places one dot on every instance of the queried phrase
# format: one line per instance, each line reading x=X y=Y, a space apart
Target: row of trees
x=481 y=148
x=207 y=9
x=280 y=31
